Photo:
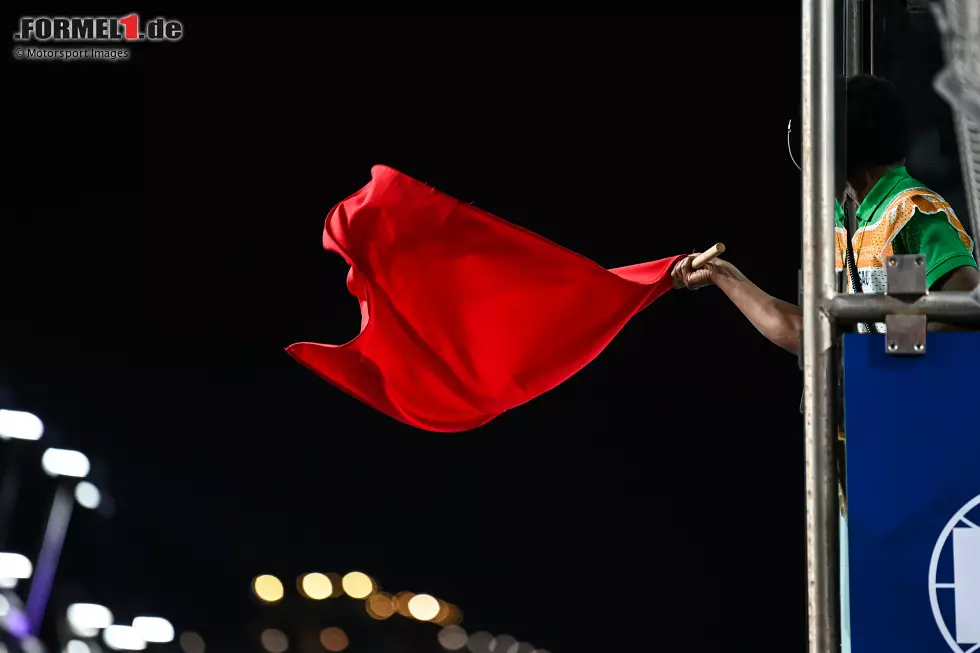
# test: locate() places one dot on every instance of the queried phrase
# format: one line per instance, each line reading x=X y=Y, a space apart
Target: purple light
x=17 y=623
x=47 y=563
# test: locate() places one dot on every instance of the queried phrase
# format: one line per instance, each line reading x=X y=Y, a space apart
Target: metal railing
x=824 y=309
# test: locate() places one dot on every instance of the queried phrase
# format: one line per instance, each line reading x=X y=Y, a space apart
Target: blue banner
x=913 y=490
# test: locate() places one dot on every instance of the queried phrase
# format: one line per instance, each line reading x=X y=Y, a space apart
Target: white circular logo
x=965 y=583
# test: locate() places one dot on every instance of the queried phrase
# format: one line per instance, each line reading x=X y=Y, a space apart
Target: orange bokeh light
x=334 y=639
x=380 y=606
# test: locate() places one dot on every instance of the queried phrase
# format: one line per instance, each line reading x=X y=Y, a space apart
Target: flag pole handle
x=713 y=253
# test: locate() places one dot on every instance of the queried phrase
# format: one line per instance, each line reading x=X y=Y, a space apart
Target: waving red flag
x=464 y=315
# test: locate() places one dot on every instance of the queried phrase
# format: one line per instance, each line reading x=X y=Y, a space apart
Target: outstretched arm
x=777 y=320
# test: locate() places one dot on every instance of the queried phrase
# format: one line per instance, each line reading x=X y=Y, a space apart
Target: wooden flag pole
x=713 y=253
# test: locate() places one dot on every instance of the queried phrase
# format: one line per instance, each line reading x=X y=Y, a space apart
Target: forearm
x=777 y=320
x=962 y=279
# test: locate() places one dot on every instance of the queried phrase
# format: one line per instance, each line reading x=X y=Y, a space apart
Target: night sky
x=160 y=244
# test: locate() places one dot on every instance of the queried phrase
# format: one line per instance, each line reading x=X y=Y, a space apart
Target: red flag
x=464 y=315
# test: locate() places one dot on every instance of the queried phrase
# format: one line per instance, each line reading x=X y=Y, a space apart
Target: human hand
x=685 y=276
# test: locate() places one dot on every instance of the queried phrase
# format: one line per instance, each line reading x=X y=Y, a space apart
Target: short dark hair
x=877 y=127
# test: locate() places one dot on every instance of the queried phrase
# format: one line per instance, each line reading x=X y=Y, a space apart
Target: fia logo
x=954 y=592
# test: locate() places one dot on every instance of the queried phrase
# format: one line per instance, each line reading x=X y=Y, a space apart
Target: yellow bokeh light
x=316 y=586
x=268 y=588
x=334 y=639
x=380 y=606
x=424 y=607
x=401 y=603
x=358 y=585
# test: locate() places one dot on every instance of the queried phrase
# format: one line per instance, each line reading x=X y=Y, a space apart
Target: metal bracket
x=906 y=334
x=906 y=275
x=906 y=279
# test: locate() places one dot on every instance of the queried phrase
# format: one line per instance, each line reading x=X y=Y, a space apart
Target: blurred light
x=14 y=565
x=540 y=650
x=4 y=606
x=524 y=647
x=87 y=495
x=449 y=615
x=77 y=646
x=65 y=462
x=452 y=638
x=268 y=588
x=18 y=625
x=31 y=645
x=8 y=583
x=191 y=642
x=18 y=425
x=423 y=607
x=358 y=585
x=379 y=606
x=480 y=642
x=316 y=587
x=334 y=639
x=3 y=648
x=87 y=618
x=123 y=638
x=156 y=630
x=442 y=615
x=401 y=603
x=274 y=641
x=505 y=644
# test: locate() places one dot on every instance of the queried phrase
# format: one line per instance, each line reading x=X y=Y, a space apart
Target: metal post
x=855 y=37
x=823 y=594
x=871 y=36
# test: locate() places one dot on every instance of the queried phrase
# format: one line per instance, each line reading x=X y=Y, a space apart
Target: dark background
x=161 y=246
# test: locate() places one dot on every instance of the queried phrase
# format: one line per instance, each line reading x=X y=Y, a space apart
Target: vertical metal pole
x=871 y=33
x=855 y=37
x=823 y=581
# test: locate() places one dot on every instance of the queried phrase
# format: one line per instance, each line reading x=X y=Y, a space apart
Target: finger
x=681 y=265
x=687 y=271
x=676 y=274
x=689 y=267
x=700 y=278
x=683 y=271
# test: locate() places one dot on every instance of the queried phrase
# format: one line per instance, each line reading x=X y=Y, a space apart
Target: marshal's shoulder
x=921 y=199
